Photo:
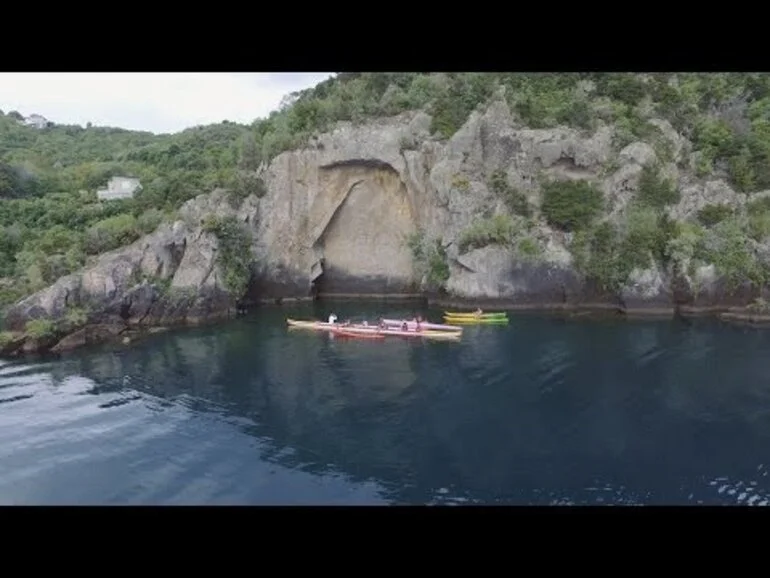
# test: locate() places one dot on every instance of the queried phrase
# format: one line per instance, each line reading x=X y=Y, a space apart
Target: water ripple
x=540 y=412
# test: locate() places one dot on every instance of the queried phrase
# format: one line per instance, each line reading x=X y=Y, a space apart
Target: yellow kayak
x=477 y=320
x=470 y=315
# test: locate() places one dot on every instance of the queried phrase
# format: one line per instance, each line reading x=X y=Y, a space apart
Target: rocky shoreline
x=19 y=344
x=729 y=314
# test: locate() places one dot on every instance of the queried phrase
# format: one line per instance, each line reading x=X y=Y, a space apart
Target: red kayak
x=343 y=333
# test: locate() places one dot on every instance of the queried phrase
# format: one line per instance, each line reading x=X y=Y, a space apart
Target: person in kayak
x=405 y=326
x=332 y=319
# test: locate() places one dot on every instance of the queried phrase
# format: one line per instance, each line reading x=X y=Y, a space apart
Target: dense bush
x=597 y=256
x=111 y=233
x=758 y=213
x=571 y=205
x=607 y=254
x=648 y=233
x=728 y=248
x=528 y=248
x=758 y=206
x=712 y=214
x=234 y=252
x=40 y=328
x=430 y=259
x=655 y=190
x=515 y=200
x=496 y=230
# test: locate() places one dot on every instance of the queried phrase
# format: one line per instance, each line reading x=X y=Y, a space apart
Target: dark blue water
x=543 y=411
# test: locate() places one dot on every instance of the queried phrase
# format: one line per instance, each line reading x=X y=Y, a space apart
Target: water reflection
x=543 y=411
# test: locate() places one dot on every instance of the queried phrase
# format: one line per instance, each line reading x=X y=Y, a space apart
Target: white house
x=119 y=188
x=36 y=121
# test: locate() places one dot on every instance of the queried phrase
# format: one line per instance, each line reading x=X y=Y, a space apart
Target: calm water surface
x=543 y=411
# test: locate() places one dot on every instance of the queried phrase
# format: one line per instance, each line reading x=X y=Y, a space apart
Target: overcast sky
x=157 y=102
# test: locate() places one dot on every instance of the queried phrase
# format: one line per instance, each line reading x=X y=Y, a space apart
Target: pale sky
x=156 y=102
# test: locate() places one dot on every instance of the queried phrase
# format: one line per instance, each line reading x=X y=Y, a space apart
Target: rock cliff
x=386 y=207
x=346 y=211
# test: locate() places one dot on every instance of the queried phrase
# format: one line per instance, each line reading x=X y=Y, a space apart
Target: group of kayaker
x=346 y=323
x=416 y=320
x=381 y=324
x=404 y=325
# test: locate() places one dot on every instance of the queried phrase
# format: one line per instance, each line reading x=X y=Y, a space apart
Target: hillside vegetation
x=51 y=221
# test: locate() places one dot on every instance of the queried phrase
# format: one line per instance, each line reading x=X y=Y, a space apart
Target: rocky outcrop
x=346 y=213
x=169 y=277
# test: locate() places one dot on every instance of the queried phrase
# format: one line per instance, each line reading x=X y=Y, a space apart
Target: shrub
x=430 y=258
x=607 y=254
x=234 y=252
x=149 y=220
x=683 y=248
x=250 y=184
x=11 y=294
x=571 y=205
x=625 y=87
x=757 y=206
x=577 y=113
x=703 y=164
x=111 y=233
x=499 y=230
x=759 y=305
x=630 y=127
x=452 y=107
x=715 y=135
x=528 y=248
x=712 y=214
x=597 y=257
x=741 y=171
x=241 y=183
x=76 y=316
x=727 y=247
x=532 y=111
x=414 y=243
x=655 y=191
x=758 y=212
x=40 y=328
x=461 y=182
x=759 y=226
x=515 y=200
x=644 y=237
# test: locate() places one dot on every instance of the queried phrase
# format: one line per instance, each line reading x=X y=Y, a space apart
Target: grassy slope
x=50 y=220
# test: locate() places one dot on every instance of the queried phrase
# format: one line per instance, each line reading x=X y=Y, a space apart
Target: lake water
x=542 y=411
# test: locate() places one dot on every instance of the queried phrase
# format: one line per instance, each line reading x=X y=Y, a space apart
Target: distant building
x=36 y=121
x=119 y=188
